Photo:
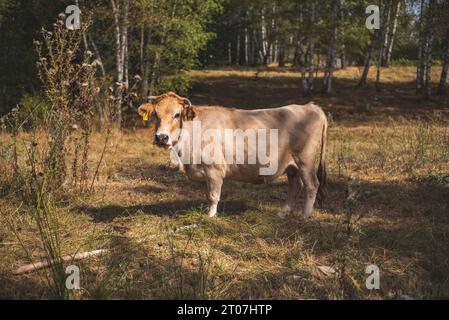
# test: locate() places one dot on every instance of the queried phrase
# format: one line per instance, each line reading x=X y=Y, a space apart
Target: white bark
x=246 y=46
x=265 y=46
x=331 y=49
x=393 y=34
x=120 y=10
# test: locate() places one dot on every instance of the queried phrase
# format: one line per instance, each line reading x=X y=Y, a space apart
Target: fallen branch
x=44 y=264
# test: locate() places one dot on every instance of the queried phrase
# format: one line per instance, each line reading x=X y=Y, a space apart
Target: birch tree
x=383 y=37
x=392 y=35
x=120 y=10
x=328 y=72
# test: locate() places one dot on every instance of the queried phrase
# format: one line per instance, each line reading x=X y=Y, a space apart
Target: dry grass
x=396 y=153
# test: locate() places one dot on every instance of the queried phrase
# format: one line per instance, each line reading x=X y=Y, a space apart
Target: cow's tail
x=322 y=166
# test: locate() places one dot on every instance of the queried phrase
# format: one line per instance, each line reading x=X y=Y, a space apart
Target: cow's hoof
x=307 y=217
x=284 y=213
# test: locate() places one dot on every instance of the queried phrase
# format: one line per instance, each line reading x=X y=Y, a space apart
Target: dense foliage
x=148 y=46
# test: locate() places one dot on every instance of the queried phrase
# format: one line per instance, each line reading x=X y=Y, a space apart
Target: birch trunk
x=265 y=45
x=246 y=47
x=369 y=57
x=383 y=41
x=97 y=53
x=329 y=69
x=393 y=34
x=385 y=22
x=121 y=39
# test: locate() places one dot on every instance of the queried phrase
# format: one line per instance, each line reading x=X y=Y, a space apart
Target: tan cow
x=297 y=135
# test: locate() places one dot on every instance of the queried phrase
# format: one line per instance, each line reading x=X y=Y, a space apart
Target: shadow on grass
x=170 y=208
x=347 y=100
x=22 y=287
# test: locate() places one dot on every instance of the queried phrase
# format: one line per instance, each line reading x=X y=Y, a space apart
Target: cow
x=301 y=139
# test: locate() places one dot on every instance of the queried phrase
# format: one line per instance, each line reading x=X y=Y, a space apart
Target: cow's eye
x=177 y=115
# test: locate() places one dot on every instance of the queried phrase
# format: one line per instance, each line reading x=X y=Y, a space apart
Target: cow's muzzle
x=161 y=139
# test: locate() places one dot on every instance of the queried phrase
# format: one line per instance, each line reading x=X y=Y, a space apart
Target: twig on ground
x=44 y=264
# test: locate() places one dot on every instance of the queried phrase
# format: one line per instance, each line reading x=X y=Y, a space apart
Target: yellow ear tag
x=145 y=116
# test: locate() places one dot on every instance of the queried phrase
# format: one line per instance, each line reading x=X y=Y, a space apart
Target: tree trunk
x=144 y=60
x=383 y=41
x=281 y=54
x=120 y=21
x=301 y=54
x=393 y=34
x=246 y=47
x=420 y=63
x=253 y=53
x=428 y=52
x=444 y=71
x=329 y=69
x=385 y=25
x=97 y=53
x=369 y=56
x=342 y=36
x=237 y=51
x=311 y=47
x=265 y=45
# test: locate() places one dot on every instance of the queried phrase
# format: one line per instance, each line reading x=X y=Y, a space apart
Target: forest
x=84 y=191
x=150 y=46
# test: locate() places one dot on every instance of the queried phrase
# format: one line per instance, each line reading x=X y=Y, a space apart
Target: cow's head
x=168 y=111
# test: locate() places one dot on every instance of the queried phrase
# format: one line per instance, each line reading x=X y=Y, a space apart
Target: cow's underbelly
x=240 y=173
x=195 y=172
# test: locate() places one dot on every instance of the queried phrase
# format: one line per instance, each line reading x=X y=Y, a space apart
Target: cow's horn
x=188 y=102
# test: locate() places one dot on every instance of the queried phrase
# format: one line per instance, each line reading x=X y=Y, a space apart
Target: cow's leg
x=293 y=191
x=311 y=183
x=307 y=171
x=214 y=183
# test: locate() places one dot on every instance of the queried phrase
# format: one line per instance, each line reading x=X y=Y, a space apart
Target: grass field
x=387 y=204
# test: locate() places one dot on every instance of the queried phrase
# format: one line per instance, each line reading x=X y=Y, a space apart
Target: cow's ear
x=187 y=113
x=145 y=111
